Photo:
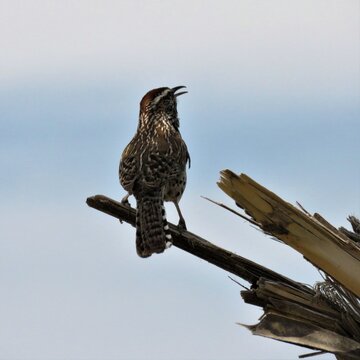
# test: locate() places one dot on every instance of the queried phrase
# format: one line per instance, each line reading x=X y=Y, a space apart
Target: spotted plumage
x=153 y=168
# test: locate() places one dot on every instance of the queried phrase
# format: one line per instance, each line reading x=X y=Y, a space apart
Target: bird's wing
x=129 y=165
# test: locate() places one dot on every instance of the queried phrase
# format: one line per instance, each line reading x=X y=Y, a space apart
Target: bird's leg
x=125 y=200
x=181 y=218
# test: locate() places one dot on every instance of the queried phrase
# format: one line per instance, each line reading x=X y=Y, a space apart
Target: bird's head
x=161 y=103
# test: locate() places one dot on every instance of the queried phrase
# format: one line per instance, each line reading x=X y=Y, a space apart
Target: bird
x=153 y=169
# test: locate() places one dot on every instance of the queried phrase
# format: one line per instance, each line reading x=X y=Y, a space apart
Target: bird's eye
x=169 y=106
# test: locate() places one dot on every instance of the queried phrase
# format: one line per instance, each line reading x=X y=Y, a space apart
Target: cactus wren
x=153 y=169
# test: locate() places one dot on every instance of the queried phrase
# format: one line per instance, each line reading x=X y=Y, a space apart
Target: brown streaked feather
x=153 y=167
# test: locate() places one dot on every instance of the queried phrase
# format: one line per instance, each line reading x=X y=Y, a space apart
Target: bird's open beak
x=176 y=88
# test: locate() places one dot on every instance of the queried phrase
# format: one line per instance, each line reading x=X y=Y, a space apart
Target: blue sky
x=274 y=89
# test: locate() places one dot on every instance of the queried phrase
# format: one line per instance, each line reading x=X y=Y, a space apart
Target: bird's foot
x=125 y=200
x=182 y=224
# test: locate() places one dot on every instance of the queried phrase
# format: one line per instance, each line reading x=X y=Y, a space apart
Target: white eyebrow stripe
x=159 y=97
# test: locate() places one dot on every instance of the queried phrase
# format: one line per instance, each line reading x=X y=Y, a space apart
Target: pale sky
x=274 y=89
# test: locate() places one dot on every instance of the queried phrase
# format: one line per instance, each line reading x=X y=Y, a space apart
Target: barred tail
x=152 y=229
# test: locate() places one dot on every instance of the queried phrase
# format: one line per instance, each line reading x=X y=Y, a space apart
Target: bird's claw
x=182 y=224
x=125 y=202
